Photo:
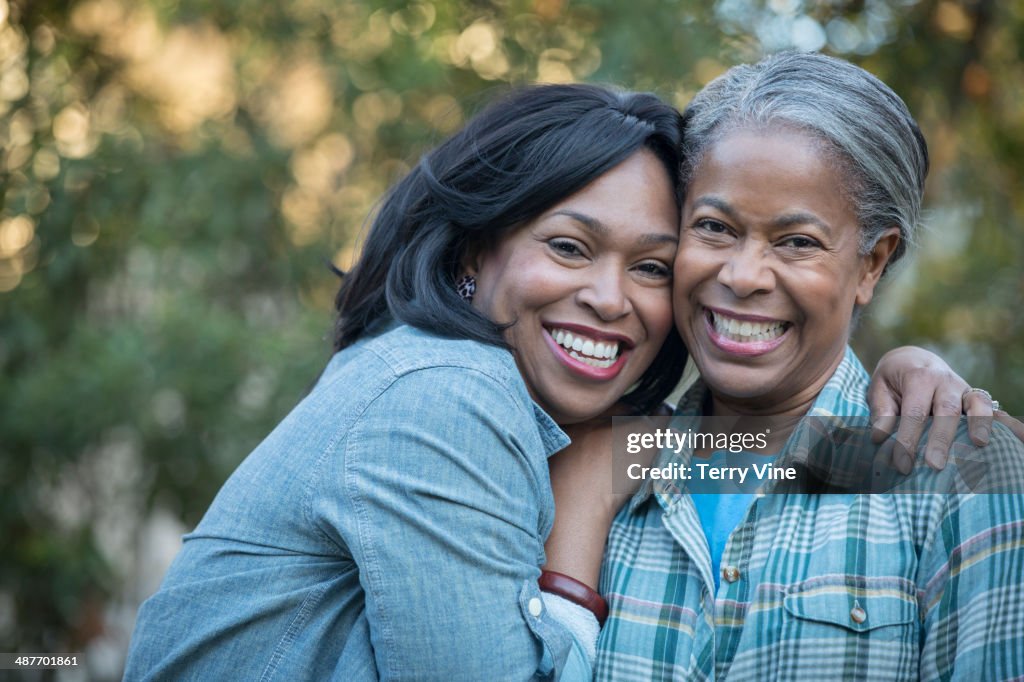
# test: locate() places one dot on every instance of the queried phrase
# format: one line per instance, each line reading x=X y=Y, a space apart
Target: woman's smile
x=745 y=334
x=591 y=353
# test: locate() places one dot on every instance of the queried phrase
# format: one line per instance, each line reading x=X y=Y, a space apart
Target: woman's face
x=769 y=269
x=587 y=288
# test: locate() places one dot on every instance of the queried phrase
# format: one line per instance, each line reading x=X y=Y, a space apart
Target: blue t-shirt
x=721 y=512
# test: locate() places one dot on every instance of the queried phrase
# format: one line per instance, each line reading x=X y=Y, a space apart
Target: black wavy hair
x=527 y=151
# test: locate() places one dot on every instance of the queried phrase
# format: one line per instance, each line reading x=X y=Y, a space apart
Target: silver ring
x=977 y=390
x=995 y=405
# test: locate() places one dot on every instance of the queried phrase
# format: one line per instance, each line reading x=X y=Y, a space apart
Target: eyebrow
x=597 y=227
x=783 y=221
x=799 y=218
x=716 y=203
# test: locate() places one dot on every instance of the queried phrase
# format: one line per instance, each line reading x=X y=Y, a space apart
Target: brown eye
x=800 y=242
x=713 y=226
x=713 y=231
x=565 y=247
x=654 y=270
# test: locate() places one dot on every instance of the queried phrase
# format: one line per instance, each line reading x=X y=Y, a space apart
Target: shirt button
x=857 y=614
x=535 y=607
x=730 y=573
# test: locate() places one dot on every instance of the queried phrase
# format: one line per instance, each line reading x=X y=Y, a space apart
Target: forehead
x=770 y=171
x=636 y=195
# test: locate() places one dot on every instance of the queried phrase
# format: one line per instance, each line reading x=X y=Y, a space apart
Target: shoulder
x=996 y=468
x=407 y=349
x=976 y=519
x=978 y=496
x=424 y=412
x=375 y=363
x=409 y=372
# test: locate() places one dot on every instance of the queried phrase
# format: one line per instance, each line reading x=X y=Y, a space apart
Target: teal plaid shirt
x=839 y=586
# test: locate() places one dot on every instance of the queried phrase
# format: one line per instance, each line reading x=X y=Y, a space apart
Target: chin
x=575 y=414
x=739 y=383
x=576 y=411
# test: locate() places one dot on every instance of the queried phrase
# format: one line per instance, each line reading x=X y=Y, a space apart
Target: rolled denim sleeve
x=440 y=492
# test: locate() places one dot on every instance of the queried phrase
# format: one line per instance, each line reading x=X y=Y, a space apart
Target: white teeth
x=589 y=351
x=592 y=362
x=746 y=331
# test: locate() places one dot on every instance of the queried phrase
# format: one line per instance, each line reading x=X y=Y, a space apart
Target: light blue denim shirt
x=391 y=526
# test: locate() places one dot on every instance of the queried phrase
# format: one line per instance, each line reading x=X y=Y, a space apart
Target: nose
x=747 y=271
x=605 y=292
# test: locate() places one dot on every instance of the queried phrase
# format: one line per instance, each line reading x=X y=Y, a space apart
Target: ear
x=469 y=264
x=472 y=254
x=873 y=264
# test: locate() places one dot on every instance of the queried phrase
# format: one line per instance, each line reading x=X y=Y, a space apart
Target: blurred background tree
x=177 y=174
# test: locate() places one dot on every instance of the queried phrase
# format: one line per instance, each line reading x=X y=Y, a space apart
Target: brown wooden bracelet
x=576 y=592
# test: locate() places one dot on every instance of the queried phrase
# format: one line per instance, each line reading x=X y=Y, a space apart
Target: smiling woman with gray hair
x=863 y=124
x=803 y=183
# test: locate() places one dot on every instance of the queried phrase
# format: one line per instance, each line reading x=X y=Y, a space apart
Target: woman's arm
x=442 y=506
x=581 y=480
x=588 y=495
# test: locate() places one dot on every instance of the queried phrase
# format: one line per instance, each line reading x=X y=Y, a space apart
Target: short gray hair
x=864 y=124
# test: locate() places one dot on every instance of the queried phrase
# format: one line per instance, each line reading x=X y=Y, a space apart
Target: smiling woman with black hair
x=393 y=524
x=517 y=280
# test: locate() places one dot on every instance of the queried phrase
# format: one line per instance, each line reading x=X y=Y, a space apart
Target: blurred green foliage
x=178 y=173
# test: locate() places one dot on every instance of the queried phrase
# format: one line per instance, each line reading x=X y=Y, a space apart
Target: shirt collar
x=551 y=435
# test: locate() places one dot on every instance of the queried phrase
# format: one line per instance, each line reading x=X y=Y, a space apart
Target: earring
x=466 y=287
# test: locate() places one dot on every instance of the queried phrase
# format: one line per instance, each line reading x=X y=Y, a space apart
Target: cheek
x=825 y=304
x=657 y=317
x=523 y=287
x=503 y=279
x=687 y=275
x=830 y=293
x=491 y=281
x=695 y=263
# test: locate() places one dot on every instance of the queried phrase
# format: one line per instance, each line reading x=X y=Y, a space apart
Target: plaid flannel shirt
x=841 y=586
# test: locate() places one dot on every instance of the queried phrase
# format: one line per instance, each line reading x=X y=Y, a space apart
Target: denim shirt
x=390 y=527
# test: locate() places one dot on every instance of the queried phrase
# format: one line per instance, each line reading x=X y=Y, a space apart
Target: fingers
x=912 y=407
x=885 y=457
x=978 y=407
x=913 y=416
x=946 y=407
x=884 y=408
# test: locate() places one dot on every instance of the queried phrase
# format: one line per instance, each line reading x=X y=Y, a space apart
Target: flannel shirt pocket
x=856 y=603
